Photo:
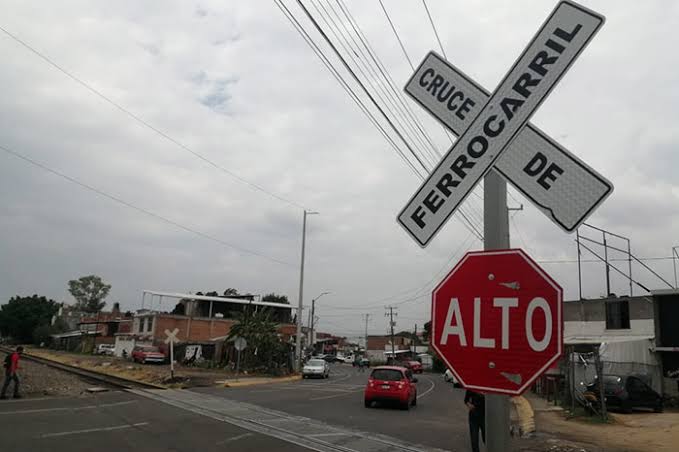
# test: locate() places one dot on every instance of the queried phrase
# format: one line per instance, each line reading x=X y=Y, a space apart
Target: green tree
x=230 y=291
x=89 y=293
x=273 y=298
x=265 y=351
x=22 y=315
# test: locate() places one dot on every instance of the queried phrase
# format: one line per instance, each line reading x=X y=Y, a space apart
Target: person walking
x=476 y=403
x=11 y=367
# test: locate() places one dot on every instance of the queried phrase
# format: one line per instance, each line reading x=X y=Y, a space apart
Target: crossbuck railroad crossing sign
x=171 y=335
x=494 y=131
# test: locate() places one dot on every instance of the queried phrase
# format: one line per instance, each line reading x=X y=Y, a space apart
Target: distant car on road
x=316 y=368
x=627 y=392
x=391 y=383
x=105 y=349
x=147 y=354
x=448 y=376
x=415 y=366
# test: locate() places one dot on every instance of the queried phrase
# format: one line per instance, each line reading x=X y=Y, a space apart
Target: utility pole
x=415 y=343
x=311 y=330
x=366 y=317
x=391 y=315
x=313 y=319
x=300 y=304
x=495 y=237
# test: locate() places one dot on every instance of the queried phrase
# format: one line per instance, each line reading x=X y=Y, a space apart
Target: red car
x=147 y=354
x=415 y=366
x=391 y=383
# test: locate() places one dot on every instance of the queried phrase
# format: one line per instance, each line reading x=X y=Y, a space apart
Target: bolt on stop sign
x=497 y=321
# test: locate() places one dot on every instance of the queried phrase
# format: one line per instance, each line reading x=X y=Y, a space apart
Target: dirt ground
x=38 y=380
x=640 y=431
x=150 y=373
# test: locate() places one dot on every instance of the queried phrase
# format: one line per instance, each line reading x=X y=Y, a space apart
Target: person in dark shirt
x=476 y=403
x=11 y=368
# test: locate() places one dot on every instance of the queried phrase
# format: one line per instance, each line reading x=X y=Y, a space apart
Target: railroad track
x=112 y=380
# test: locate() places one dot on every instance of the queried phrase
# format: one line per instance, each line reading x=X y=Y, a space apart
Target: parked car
x=449 y=377
x=415 y=366
x=391 y=383
x=627 y=392
x=333 y=359
x=361 y=360
x=105 y=349
x=147 y=354
x=316 y=368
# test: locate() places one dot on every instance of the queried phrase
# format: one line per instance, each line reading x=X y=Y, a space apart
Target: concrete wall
x=588 y=318
x=590 y=329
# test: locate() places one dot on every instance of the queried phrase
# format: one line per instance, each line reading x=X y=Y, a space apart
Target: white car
x=448 y=376
x=316 y=368
x=105 y=349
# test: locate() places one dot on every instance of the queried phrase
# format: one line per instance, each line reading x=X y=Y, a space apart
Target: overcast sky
x=234 y=82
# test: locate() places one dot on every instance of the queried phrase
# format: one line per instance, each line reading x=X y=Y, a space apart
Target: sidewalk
x=639 y=431
x=251 y=381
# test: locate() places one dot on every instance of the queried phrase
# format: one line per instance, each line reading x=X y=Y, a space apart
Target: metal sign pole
x=496 y=236
x=172 y=358
x=238 y=364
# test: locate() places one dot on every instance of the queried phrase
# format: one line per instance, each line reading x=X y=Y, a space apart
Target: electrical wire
x=385 y=73
x=326 y=62
x=372 y=99
x=359 y=82
x=149 y=126
x=354 y=56
x=431 y=21
x=141 y=209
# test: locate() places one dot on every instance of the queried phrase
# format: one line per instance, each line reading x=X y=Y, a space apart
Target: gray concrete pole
x=298 y=342
x=496 y=236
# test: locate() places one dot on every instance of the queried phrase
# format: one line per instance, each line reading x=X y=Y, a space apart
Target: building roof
x=75 y=334
x=189 y=296
x=600 y=339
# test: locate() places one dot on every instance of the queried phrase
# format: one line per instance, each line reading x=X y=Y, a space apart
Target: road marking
x=321 y=435
x=428 y=390
x=92 y=430
x=74 y=408
x=233 y=438
x=336 y=395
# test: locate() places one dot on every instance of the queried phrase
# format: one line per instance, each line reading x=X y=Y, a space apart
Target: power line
x=378 y=88
x=385 y=72
x=386 y=87
x=141 y=209
x=431 y=21
x=575 y=261
x=312 y=44
x=412 y=67
x=469 y=223
x=359 y=82
x=149 y=126
x=398 y=38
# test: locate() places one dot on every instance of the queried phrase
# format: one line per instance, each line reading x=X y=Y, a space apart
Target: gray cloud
x=277 y=118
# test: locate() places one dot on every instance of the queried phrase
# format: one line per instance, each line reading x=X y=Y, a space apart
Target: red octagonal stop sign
x=497 y=321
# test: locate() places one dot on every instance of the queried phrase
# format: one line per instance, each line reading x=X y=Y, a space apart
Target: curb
x=525 y=414
x=256 y=381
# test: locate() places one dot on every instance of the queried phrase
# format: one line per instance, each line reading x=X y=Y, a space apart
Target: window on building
x=617 y=315
x=149 y=324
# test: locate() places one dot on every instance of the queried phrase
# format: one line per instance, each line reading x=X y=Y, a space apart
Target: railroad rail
x=113 y=380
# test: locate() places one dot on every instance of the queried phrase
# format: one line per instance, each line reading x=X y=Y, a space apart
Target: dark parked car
x=627 y=392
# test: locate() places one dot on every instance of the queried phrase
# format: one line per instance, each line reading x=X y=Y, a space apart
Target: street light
x=298 y=342
x=313 y=309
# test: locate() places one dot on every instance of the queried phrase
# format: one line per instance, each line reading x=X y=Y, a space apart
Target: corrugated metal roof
x=600 y=339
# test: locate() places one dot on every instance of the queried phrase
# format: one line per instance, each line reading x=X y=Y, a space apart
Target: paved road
x=438 y=421
x=119 y=422
x=320 y=415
